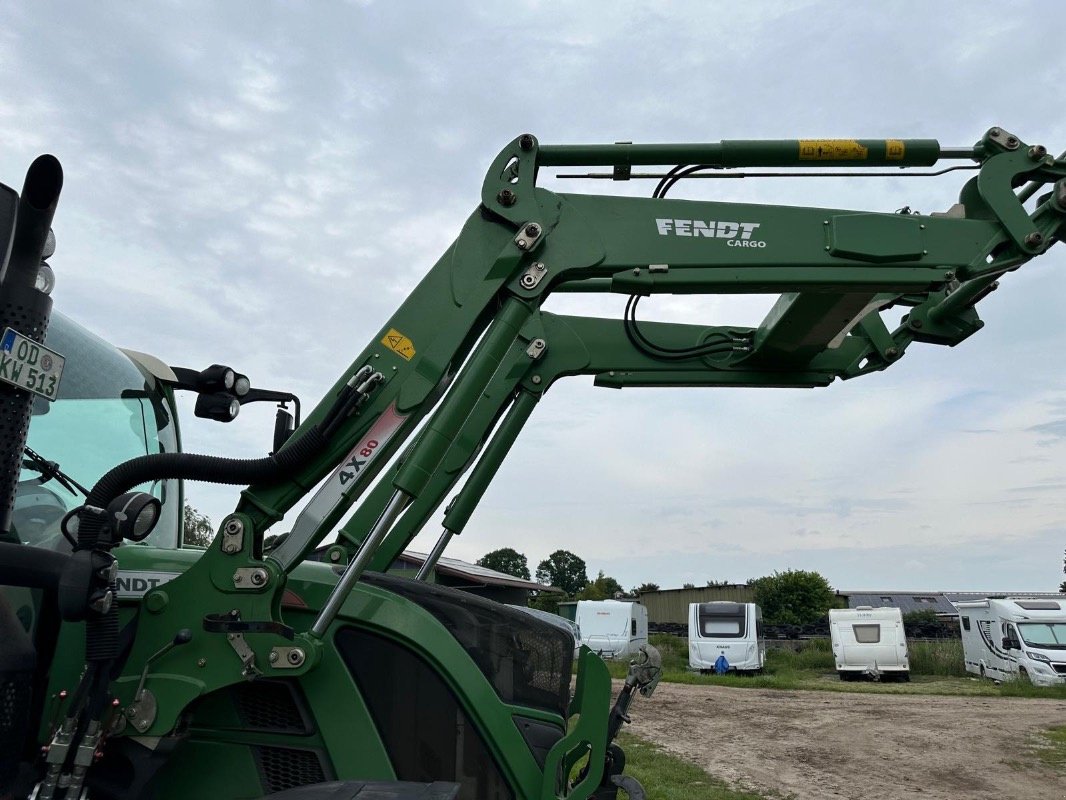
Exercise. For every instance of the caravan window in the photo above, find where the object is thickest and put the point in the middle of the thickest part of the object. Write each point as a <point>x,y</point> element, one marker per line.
<point>722,620</point>
<point>966,623</point>
<point>867,634</point>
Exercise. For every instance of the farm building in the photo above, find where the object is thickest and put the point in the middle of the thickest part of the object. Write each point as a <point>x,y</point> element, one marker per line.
<point>938,602</point>
<point>671,605</point>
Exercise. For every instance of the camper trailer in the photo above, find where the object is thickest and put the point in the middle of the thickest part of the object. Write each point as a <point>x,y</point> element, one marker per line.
<point>869,641</point>
<point>612,628</point>
<point>729,630</point>
<point>1015,638</point>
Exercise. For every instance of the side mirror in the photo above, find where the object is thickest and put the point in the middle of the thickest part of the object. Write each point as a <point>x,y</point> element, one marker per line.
<point>1009,643</point>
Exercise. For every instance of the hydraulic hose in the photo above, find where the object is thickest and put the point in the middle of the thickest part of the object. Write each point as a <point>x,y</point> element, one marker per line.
<point>102,633</point>
<point>187,466</point>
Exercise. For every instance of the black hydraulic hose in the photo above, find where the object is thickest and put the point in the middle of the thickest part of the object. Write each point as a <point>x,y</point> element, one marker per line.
<point>188,466</point>
<point>102,633</point>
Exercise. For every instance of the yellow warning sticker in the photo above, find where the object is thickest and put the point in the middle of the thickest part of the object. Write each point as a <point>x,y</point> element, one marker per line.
<point>831,150</point>
<point>894,149</point>
<point>399,344</point>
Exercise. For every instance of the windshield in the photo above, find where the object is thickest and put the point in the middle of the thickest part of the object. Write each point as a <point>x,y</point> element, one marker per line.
<point>1043,634</point>
<point>105,414</point>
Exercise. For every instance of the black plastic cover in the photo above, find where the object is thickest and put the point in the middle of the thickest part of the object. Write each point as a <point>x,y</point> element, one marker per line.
<point>528,661</point>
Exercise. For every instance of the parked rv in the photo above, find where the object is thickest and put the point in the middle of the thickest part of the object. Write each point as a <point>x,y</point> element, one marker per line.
<point>732,631</point>
<point>1015,638</point>
<point>612,628</point>
<point>869,641</point>
<point>559,622</point>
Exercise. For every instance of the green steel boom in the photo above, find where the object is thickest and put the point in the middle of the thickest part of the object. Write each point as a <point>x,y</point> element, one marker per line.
<point>471,344</point>
<point>834,271</point>
<point>452,377</point>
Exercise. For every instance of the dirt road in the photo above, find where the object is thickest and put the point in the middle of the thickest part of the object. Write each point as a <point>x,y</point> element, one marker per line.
<point>809,744</point>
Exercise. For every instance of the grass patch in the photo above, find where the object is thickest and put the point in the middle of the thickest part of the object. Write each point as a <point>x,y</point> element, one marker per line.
<point>667,777</point>
<point>1050,748</point>
<point>937,658</point>
<point>816,654</point>
<point>1026,689</point>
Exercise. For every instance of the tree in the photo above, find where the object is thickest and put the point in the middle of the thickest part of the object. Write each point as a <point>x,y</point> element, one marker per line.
<point>924,616</point>
<point>565,570</point>
<point>506,560</point>
<point>688,586</point>
<point>646,587</point>
<point>546,601</point>
<point>1062,588</point>
<point>197,528</point>
<point>603,588</point>
<point>713,583</point>
<point>793,597</point>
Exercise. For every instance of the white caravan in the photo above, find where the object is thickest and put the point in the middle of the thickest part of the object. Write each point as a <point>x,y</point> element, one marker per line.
<point>612,628</point>
<point>1015,638</point>
<point>732,630</point>
<point>869,641</point>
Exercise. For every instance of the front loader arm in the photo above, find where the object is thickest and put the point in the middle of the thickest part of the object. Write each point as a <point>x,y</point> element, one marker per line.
<point>831,267</point>
<point>466,331</point>
<point>834,270</point>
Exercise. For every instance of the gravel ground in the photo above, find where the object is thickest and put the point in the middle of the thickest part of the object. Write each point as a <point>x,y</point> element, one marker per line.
<point>810,744</point>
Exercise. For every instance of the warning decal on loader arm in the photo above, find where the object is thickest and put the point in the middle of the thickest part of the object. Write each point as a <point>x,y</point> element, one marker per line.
<point>399,344</point>
<point>832,150</point>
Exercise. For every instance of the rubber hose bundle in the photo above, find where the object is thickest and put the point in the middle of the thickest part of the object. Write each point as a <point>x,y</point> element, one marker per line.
<point>102,634</point>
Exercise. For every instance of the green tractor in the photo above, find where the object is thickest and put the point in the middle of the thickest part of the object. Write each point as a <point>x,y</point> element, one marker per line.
<point>276,666</point>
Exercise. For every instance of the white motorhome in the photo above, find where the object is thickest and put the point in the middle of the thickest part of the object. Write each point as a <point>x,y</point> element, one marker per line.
<point>1015,638</point>
<point>869,641</point>
<point>732,630</point>
<point>612,628</point>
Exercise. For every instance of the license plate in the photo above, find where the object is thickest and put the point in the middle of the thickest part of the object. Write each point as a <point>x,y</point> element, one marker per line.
<point>28,365</point>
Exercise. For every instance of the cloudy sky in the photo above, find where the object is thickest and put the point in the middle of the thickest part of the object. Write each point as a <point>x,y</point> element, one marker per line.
<point>239,174</point>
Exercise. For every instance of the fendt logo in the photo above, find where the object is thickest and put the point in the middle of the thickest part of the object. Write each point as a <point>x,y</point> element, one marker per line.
<point>736,234</point>
<point>137,584</point>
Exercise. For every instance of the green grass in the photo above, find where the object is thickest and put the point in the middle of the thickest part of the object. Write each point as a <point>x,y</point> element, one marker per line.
<point>936,668</point>
<point>937,658</point>
<point>667,777</point>
<point>1050,748</point>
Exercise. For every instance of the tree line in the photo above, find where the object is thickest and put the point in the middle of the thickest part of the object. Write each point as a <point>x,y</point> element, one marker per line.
<point>792,597</point>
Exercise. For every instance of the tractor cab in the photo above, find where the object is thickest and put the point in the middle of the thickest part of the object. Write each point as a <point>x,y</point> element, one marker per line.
<point>109,409</point>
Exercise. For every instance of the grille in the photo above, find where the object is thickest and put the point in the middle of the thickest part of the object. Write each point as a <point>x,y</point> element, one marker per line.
<point>15,691</point>
<point>270,707</point>
<point>527,660</point>
<point>282,768</point>
<point>1060,668</point>
<point>426,732</point>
